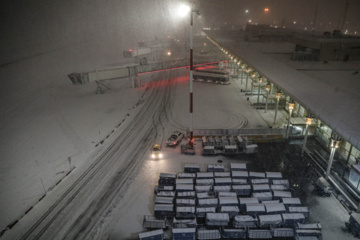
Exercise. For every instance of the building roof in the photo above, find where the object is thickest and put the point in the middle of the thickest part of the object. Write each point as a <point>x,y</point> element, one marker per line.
<point>338,107</point>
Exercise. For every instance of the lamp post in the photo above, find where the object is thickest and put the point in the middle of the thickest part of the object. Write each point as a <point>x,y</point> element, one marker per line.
<point>243,66</point>
<point>278,95</point>
<point>291,107</point>
<point>253,75</point>
<point>308,122</point>
<point>259,88</point>
<point>335,140</point>
<point>268,87</point>
<point>247,78</point>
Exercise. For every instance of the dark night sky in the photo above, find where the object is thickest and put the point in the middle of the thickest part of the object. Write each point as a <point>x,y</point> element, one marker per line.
<point>33,26</point>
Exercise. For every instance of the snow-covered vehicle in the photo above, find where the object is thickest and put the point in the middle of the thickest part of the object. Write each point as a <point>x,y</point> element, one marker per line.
<point>174,139</point>
<point>187,149</point>
<point>354,224</point>
<point>156,152</point>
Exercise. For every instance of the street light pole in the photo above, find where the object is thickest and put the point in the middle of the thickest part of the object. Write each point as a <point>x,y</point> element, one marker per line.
<point>308,122</point>
<point>191,78</point>
<point>278,95</point>
<point>268,86</point>
<point>291,107</point>
<point>334,145</point>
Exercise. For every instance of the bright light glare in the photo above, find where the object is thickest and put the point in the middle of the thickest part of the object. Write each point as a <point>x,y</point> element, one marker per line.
<point>183,10</point>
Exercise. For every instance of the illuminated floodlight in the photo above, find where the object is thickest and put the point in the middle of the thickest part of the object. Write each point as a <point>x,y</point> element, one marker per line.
<point>182,10</point>
<point>266,9</point>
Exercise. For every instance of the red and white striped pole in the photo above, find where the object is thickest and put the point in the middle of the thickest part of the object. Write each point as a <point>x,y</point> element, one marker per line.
<point>191,78</point>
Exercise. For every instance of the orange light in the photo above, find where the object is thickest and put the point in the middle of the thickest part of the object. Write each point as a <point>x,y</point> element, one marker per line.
<point>266,10</point>
<point>291,106</point>
<point>308,120</point>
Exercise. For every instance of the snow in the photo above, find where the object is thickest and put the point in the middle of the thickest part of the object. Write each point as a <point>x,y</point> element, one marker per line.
<point>311,90</point>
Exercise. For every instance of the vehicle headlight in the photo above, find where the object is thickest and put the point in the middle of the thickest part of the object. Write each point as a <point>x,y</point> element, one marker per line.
<point>160,155</point>
<point>153,155</point>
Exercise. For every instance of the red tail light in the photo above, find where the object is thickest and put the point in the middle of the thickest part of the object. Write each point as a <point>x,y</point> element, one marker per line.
<point>174,142</point>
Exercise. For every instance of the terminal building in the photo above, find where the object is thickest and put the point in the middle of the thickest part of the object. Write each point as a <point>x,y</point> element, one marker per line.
<point>319,93</point>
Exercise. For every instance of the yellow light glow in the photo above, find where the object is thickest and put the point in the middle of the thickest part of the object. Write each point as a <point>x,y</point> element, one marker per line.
<point>278,95</point>
<point>291,106</point>
<point>308,120</point>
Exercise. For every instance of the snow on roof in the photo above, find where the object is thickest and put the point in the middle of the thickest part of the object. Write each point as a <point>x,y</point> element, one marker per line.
<point>245,218</point>
<point>189,187</point>
<point>248,200</point>
<point>260,187</point>
<point>167,175</point>
<point>291,201</point>
<point>298,209</point>
<point>263,195</point>
<point>165,200</point>
<point>228,200</point>
<point>238,187</point>
<point>202,188</point>
<point>184,181</point>
<point>273,174</point>
<point>229,209</point>
<point>222,174</point>
<point>274,207</point>
<point>204,175</point>
<point>257,174</point>
<point>340,111</point>
<point>204,181</point>
<point>239,174</point>
<point>184,230</point>
<point>185,201</point>
<point>217,217</point>
<point>284,194</point>
<point>208,201</point>
<point>151,233</point>
<point>278,187</point>
<point>290,216</point>
<point>205,209</point>
<point>186,175</point>
<point>255,207</point>
<point>281,182</point>
<point>222,188</point>
<point>186,194</point>
<point>238,166</point>
<point>223,180</point>
<point>192,165</point>
<point>164,207</point>
<point>185,209</point>
<point>260,181</point>
<point>270,219</point>
<point>227,194</point>
<point>215,166</point>
<point>239,181</point>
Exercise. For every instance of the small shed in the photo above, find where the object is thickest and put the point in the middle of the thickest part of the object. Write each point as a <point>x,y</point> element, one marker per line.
<point>184,187</point>
<point>215,168</point>
<point>278,195</point>
<point>259,234</point>
<point>240,174</point>
<point>238,166</point>
<point>222,174</point>
<point>270,220</point>
<point>291,219</point>
<point>227,194</point>
<point>185,212</point>
<point>240,181</point>
<point>300,209</point>
<point>291,202</point>
<point>229,233</point>
<point>260,188</point>
<point>217,219</point>
<point>209,202</point>
<point>185,202</point>
<point>228,201</point>
<point>223,181</point>
<point>273,208</point>
<point>260,181</point>
<point>202,195</point>
<point>188,194</point>
<point>162,211</point>
<point>231,210</point>
<point>281,182</point>
<point>203,234</point>
<point>201,211</point>
<point>191,168</point>
<point>242,190</point>
<point>263,196</point>
<point>245,221</point>
<point>204,181</point>
<point>164,200</point>
<point>204,175</point>
<point>184,181</point>
<point>255,209</point>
